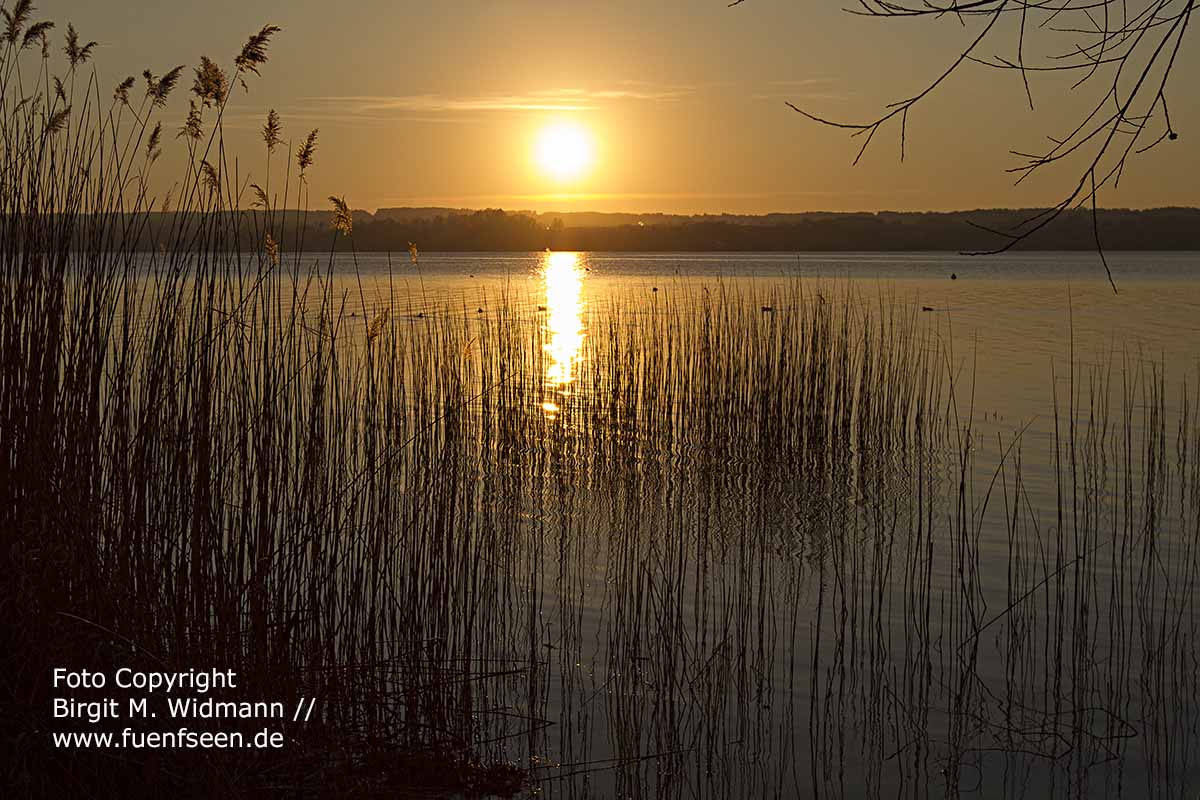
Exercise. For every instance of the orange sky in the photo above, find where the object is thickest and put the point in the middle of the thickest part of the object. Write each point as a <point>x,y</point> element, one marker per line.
<point>441,103</point>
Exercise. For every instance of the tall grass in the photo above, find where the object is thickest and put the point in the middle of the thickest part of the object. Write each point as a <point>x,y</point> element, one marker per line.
<point>196,472</point>
<point>753,553</point>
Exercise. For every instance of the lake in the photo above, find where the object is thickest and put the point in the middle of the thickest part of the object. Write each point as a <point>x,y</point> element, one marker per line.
<point>1011,316</point>
<point>702,525</point>
<point>853,525</point>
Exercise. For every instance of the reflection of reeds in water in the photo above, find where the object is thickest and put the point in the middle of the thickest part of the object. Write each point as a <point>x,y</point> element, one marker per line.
<point>751,554</point>
<point>715,444</point>
<point>1047,659</point>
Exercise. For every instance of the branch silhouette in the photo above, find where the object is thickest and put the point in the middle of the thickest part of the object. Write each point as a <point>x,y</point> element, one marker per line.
<point>1126,50</point>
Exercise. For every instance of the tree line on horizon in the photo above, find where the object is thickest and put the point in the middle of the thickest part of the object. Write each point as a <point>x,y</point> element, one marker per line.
<point>498,230</point>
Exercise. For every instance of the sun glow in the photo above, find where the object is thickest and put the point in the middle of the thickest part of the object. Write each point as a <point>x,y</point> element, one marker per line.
<point>564,151</point>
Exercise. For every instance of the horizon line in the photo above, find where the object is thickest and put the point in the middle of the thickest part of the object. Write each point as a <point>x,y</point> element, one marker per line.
<point>749,214</point>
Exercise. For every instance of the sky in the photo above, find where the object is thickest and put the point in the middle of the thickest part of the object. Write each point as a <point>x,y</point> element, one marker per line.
<point>442,103</point>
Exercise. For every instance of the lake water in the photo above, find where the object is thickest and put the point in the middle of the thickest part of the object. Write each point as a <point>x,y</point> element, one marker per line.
<point>1011,317</point>
<point>729,525</point>
<point>731,585</point>
<point>1010,324</point>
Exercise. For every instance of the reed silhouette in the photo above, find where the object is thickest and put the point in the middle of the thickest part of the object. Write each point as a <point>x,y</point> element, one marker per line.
<point>748,554</point>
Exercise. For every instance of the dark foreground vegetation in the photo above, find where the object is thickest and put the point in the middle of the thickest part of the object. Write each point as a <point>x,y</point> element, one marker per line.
<point>193,478</point>
<point>750,553</point>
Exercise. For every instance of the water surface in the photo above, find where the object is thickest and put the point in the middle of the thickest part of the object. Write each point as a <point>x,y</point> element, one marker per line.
<point>856,525</point>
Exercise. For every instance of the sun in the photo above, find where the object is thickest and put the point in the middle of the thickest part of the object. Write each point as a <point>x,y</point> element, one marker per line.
<point>564,151</point>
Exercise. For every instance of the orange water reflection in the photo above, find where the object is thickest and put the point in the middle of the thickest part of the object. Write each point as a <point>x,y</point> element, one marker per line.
<point>563,277</point>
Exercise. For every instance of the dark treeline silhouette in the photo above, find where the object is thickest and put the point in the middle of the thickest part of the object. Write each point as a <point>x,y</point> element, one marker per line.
<point>497,230</point>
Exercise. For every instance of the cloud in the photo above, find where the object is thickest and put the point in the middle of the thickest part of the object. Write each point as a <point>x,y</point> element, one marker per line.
<point>803,82</point>
<point>559,99</point>
<point>820,89</point>
<point>432,103</point>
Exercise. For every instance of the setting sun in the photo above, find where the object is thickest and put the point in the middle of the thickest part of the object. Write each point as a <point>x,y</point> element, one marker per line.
<point>564,151</point>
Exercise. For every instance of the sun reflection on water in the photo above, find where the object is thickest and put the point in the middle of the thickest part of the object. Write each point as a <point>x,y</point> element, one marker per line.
<point>563,276</point>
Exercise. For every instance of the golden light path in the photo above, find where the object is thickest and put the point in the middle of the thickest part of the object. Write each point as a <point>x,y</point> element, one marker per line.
<point>564,322</point>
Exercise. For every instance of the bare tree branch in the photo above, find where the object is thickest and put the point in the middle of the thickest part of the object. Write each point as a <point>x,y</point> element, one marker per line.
<point>1133,43</point>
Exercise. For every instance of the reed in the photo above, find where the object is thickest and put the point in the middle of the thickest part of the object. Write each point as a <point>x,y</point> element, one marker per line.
<point>759,550</point>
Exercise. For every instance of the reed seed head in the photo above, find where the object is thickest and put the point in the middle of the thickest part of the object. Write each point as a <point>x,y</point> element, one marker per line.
<point>152,143</point>
<point>76,53</point>
<point>343,220</point>
<point>260,198</point>
<point>58,121</point>
<point>157,89</point>
<point>14,21</point>
<point>375,327</point>
<point>271,131</point>
<point>192,126</point>
<point>304,156</point>
<point>211,85</point>
<point>121,93</point>
<point>208,174</point>
<point>254,52</point>
<point>38,32</point>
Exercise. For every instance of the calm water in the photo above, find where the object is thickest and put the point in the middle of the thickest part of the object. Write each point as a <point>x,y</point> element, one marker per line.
<point>1011,320</point>
<point>780,599</point>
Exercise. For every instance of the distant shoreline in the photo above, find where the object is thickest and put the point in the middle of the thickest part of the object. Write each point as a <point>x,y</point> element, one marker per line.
<point>494,230</point>
<point>1015,253</point>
